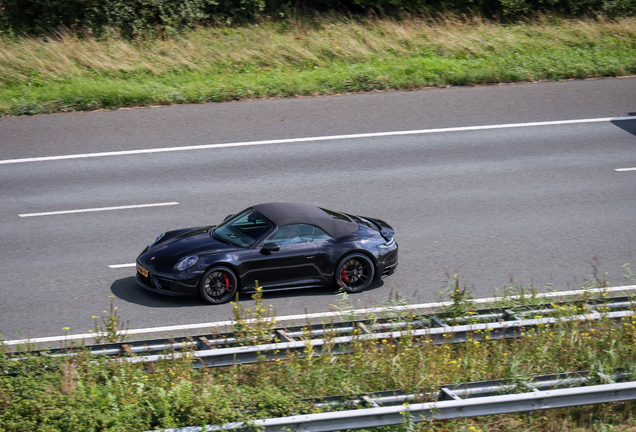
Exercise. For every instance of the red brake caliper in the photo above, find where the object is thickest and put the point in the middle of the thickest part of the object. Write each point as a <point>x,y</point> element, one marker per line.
<point>227,282</point>
<point>343,274</point>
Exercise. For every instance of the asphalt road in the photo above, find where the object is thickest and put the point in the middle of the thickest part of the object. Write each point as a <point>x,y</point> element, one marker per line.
<point>533,204</point>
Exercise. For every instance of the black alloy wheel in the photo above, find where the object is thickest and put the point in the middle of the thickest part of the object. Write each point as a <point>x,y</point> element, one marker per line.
<point>355,273</point>
<point>218,285</point>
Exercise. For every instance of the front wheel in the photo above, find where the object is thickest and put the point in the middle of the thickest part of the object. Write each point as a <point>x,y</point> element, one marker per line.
<point>218,285</point>
<point>355,272</point>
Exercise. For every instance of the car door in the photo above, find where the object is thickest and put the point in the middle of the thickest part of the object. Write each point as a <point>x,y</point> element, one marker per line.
<point>292,266</point>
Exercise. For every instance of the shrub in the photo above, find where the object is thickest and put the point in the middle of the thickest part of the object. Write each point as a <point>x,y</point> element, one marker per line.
<point>141,18</point>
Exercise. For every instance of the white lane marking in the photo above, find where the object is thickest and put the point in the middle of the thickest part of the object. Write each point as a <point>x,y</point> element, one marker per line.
<point>98,209</point>
<point>305,317</point>
<point>625,169</point>
<point>116,266</point>
<point>311,139</point>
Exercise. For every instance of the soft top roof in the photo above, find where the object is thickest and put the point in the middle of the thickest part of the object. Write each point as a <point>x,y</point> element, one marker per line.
<point>285,213</point>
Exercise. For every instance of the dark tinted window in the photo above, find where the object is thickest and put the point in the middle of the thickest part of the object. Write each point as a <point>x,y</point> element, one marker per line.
<point>244,229</point>
<point>292,234</point>
<point>320,235</point>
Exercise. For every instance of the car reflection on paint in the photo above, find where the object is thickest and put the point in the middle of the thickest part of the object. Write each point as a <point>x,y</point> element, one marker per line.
<point>281,245</point>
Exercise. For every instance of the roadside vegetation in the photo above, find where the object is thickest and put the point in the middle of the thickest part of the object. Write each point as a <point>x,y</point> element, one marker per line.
<point>83,393</point>
<point>70,70</point>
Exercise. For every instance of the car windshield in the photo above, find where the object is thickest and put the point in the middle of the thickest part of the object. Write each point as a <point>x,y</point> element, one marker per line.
<point>243,230</point>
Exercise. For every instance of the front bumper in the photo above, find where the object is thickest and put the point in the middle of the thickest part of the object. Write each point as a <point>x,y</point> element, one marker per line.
<point>163,285</point>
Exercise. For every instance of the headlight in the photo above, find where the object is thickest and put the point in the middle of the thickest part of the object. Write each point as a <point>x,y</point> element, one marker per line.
<point>388,245</point>
<point>187,262</point>
<point>159,237</point>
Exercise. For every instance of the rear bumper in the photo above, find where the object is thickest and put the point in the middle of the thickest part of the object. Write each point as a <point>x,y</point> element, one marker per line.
<point>387,260</point>
<point>389,269</point>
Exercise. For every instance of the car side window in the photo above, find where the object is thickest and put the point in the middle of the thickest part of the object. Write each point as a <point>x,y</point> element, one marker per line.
<point>292,234</point>
<point>320,235</point>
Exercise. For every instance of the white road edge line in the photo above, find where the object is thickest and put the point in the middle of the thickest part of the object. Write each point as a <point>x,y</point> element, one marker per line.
<point>625,169</point>
<point>305,317</point>
<point>311,139</point>
<point>117,266</point>
<point>98,209</point>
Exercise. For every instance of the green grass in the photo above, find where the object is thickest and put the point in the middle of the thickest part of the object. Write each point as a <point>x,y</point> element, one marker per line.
<point>315,57</point>
<point>82,393</point>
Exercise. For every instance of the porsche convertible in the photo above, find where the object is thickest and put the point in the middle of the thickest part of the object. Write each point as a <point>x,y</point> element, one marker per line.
<point>278,246</point>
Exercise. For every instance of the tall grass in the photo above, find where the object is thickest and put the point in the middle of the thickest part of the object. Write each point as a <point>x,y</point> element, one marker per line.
<point>324,55</point>
<point>82,393</point>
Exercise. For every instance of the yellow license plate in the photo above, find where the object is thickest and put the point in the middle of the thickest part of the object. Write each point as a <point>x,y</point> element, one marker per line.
<point>142,270</point>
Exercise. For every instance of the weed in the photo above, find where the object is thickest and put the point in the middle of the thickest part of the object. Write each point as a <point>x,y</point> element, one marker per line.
<point>394,308</point>
<point>253,327</point>
<point>93,393</point>
<point>629,274</point>
<point>461,299</point>
<point>112,328</point>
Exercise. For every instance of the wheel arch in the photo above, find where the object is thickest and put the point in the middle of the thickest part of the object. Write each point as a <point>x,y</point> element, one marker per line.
<point>223,264</point>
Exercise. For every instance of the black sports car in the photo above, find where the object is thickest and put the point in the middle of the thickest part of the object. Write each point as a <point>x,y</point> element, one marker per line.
<point>280,245</point>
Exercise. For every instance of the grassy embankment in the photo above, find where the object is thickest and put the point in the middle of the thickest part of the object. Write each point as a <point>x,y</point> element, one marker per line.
<point>72,394</point>
<point>311,57</point>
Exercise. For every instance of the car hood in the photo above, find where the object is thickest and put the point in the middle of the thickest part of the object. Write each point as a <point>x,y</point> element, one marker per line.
<point>177,245</point>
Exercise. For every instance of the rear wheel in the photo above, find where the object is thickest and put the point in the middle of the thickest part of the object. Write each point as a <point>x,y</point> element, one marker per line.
<point>218,285</point>
<point>355,272</point>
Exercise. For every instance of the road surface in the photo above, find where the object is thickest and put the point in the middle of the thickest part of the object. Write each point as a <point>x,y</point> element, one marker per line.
<point>535,204</point>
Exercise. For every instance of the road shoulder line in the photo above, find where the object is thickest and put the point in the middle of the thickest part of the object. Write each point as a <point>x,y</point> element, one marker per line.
<point>313,139</point>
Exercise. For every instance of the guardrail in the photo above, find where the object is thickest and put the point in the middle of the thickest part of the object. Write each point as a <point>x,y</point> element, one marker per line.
<point>338,315</point>
<point>452,401</point>
<point>341,345</point>
<point>469,390</point>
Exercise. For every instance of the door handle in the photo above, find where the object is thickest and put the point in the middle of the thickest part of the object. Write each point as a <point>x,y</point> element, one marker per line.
<point>310,256</point>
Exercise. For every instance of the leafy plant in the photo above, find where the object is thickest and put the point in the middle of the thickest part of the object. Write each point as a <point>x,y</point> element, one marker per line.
<point>253,326</point>
<point>461,297</point>
<point>112,328</point>
<point>629,274</point>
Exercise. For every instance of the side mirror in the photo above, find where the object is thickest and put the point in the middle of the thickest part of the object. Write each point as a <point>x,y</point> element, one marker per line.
<point>230,216</point>
<point>268,248</point>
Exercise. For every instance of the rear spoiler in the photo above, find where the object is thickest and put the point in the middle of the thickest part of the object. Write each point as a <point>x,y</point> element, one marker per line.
<point>386,230</point>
